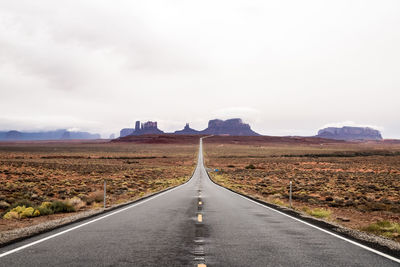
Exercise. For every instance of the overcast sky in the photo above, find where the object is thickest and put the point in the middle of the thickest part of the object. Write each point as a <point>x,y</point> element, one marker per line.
<point>285,67</point>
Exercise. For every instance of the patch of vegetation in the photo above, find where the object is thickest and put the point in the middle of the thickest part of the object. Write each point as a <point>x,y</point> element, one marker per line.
<point>318,212</point>
<point>21,212</point>
<point>277,201</point>
<point>384,228</point>
<point>46,208</point>
<point>94,197</point>
<point>250,166</point>
<point>60,207</point>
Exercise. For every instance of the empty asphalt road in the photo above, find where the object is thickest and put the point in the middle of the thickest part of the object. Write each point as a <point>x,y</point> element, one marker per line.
<point>194,224</point>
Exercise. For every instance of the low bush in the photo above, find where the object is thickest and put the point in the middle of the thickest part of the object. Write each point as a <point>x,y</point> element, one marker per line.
<point>45,211</point>
<point>21,212</point>
<point>46,208</point>
<point>20,203</point>
<point>76,202</point>
<point>60,206</point>
<point>4,205</point>
<point>96,196</point>
<point>250,166</point>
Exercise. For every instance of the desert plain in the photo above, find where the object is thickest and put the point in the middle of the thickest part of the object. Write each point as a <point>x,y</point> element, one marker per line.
<point>355,184</point>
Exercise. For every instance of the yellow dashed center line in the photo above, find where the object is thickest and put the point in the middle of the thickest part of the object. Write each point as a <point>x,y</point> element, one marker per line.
<point>201,265</point>
<point>199,217</point>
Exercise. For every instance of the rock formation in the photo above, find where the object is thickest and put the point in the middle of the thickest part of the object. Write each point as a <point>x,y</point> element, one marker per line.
<point>126,131</point>
<point>350,133</point>
<point>234,127</point>
<point>149,127</point>
<point>187,130</point>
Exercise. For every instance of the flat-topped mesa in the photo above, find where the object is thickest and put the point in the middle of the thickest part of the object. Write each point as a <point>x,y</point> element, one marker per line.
<point>234,127</point>
<point>350,133</point>
<point>187,130</point>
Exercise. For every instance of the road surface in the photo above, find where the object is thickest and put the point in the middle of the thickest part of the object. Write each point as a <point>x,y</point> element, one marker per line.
<point>196,224</point>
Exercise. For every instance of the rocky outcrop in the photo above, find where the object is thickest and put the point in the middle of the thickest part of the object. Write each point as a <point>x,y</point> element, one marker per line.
<point>149,127</point>
<point>350,133</point>
<point>187,130</point>
<point>49,135</point>
<point>234,127</point>
<point>126,131</point>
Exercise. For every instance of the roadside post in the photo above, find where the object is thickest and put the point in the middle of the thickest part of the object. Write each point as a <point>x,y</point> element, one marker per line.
<point>105,190</point>
<point>290,194</point>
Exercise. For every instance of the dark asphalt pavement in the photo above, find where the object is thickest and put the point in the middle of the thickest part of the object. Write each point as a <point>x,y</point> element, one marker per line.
<point>196,223</point>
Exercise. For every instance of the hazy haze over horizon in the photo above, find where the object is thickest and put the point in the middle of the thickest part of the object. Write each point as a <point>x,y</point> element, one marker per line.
<point>285,67</point>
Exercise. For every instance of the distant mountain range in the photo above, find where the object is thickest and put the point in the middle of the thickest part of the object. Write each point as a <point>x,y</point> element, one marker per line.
<point>48,135</point>
<point>233,127</point>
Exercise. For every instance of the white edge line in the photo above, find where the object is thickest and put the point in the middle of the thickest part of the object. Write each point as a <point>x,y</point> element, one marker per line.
<point>321,229</point>
<point>86,223</point>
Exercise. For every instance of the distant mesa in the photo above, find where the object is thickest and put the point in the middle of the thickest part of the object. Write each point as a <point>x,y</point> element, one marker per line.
<point>149,127</point>
<point>48,135</point>
<point>187,130</point>
<point>350,133</point>
<point>232,127</point>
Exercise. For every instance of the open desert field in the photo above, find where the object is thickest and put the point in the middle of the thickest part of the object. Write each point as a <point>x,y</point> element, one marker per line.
<point>54,178</point>
<point>353,184</point>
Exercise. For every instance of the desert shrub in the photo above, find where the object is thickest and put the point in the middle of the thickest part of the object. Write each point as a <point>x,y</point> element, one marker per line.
<point>250,166</point>
<point>76,202</point>
<point>45,204</point>
<point>96,196</point>
<point>21,212</point>
<point>278,202</point>
<point>45,208</point>
<point>27,212</point>
<point>4,205</point>
<point>385,228</point>
<point>45,211</point>
<point>21,203</point>
<point>11,215</point>
<point>318,212</point>
<point>60,206</point>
